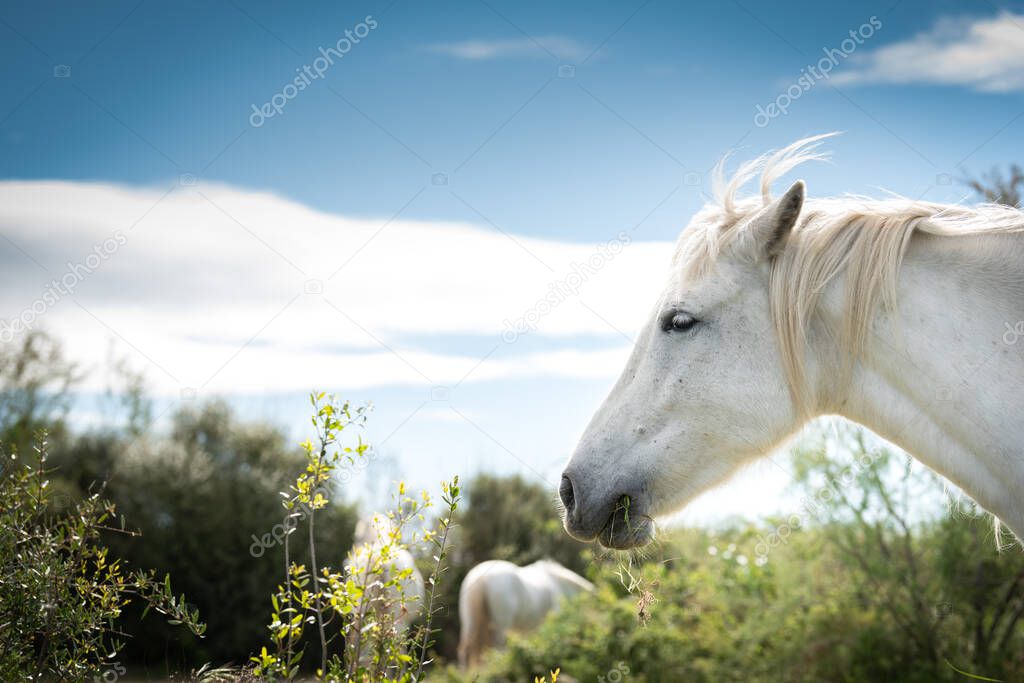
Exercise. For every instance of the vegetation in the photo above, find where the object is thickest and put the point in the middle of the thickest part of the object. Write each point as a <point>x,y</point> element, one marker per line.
<point>61,591</point>
<point>875,575</point>
<point>204,499</point>
<point>64,593</point>
<point>868,586</point>
<point>998,188</point>
<point>357,610</point>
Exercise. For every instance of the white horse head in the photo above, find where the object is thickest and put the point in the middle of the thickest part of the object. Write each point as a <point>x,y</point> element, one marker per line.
<point>768,312</point>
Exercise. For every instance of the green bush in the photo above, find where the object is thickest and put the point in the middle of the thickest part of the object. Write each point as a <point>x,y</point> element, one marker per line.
<point>206,500</point>
<point>62,592</point>
<point>356,610</point>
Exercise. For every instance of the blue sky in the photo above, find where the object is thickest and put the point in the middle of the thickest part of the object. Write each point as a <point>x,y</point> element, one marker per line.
<point>544,128</point>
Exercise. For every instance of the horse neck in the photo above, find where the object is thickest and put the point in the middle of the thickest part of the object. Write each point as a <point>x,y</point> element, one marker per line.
<point>937,377</point>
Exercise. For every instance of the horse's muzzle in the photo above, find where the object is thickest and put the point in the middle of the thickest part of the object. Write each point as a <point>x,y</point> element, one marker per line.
<point>619,521</point>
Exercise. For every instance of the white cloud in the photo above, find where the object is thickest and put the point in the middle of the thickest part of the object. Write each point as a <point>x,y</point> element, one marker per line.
<point>209,290</point>
<point>562,47</point>
<point>984,54</point>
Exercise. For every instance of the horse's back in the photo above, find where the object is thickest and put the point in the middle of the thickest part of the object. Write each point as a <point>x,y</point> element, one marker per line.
<point>497,596</point>
<point>502,589</point>
<point>490,568</point>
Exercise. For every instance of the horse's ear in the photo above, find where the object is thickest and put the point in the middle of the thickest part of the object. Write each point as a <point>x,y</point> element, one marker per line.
<point>771,228</point>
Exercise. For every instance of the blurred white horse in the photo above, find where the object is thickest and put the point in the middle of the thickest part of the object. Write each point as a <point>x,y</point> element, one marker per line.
<point>903,315</point>
<point>497,597</point>
<point>397,606</point>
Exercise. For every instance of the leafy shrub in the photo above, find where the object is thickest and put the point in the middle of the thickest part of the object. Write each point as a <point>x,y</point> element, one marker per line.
<point>357,611</point>
<point>61,590</point>
<point>206,501</point>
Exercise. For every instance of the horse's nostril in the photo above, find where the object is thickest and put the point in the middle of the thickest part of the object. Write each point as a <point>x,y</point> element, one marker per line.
<point>566,493</point>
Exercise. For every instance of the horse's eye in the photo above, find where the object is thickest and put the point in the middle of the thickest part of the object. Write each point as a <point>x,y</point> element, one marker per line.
<point>679,322</point>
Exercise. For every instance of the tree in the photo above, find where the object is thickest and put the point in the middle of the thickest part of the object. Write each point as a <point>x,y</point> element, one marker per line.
<point>35,384</point>
<point>996,188</point>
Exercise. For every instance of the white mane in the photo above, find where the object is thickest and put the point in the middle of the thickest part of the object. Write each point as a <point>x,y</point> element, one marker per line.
<point>863,237</point>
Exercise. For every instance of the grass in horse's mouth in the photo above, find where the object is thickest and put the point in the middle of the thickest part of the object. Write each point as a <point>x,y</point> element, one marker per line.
<point>625,524</point>
<point>623,505</point>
